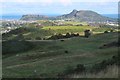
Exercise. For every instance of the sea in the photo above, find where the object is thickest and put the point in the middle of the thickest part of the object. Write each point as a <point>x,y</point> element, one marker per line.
<point>17,17</point>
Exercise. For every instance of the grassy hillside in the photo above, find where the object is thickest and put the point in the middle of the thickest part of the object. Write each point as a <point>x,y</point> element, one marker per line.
<point>48,58</point>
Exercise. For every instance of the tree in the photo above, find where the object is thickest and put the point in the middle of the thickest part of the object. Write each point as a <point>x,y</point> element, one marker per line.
<point>87,33</point>
<point>73,35</point>
<point>111,30</point>
<point>67,35</point>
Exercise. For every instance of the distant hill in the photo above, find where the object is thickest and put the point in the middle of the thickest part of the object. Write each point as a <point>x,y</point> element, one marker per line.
<point>86,15</point>
<point>82,15</point>
<point>33,17</point>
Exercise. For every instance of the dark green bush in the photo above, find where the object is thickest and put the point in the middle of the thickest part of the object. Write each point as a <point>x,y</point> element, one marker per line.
<point>69,70</point>
<point>60,36</point>
<point>38,38</point>
<point>66,51</point>
<point>111,30</point>
<point>106,32</point>
<point>80,68</point>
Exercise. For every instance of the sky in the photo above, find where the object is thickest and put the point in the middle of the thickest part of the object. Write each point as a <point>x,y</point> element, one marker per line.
<point>49,7</point>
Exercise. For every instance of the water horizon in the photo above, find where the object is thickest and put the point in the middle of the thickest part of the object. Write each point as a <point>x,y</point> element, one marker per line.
<point>18,16</point>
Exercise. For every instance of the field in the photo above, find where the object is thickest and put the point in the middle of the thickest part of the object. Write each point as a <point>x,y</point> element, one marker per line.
<point>74,29</point>
<point>48,58</point>
<point>32,32</point>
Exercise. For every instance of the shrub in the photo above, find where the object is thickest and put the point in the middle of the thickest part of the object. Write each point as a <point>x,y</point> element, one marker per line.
<point>54,37</point>
<point>19,37</point>
<point>77,34</point>
<point>28,38</point>
<point>80,68</point>
<point>59,36</point>
<point>38,38</point>
<point>72,35</point>
<point>68,35</point>
<point>44,38</point>
<point>62,40</point>
<point>66,51</point>
<point>111,30</point>
<point>106,32</point>
<point>69,70</point>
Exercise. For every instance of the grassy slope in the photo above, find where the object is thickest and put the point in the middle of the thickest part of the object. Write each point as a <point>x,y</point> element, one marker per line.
<point>48,57</point>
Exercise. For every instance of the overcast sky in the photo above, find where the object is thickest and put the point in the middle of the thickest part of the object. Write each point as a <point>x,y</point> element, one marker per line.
<point>57,6</point>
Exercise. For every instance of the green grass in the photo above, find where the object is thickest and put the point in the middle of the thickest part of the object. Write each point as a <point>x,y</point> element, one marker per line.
<point>74,23</point>
<point>74,29</point>
<point>30,31</point>
<point>48,58</point>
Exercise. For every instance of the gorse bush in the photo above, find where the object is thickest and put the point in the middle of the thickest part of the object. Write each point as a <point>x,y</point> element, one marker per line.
<point>66,51</point>
<point>60,36</point>
<point>69,70</point>
<point>106,32</point>
<point>80,68</point>
<point>38,38</point>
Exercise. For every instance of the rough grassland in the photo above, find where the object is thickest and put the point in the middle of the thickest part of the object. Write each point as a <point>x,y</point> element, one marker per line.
<point>110,72</point>
<point>48,58</point>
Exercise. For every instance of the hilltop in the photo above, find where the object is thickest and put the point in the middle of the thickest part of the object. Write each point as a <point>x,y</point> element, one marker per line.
<point>82,15</point>
<point>86,15</point>
<point>33,17</point>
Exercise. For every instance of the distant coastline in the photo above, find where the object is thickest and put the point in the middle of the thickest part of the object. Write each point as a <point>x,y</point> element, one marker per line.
<point>17,17</point>
<point>11,17</point>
